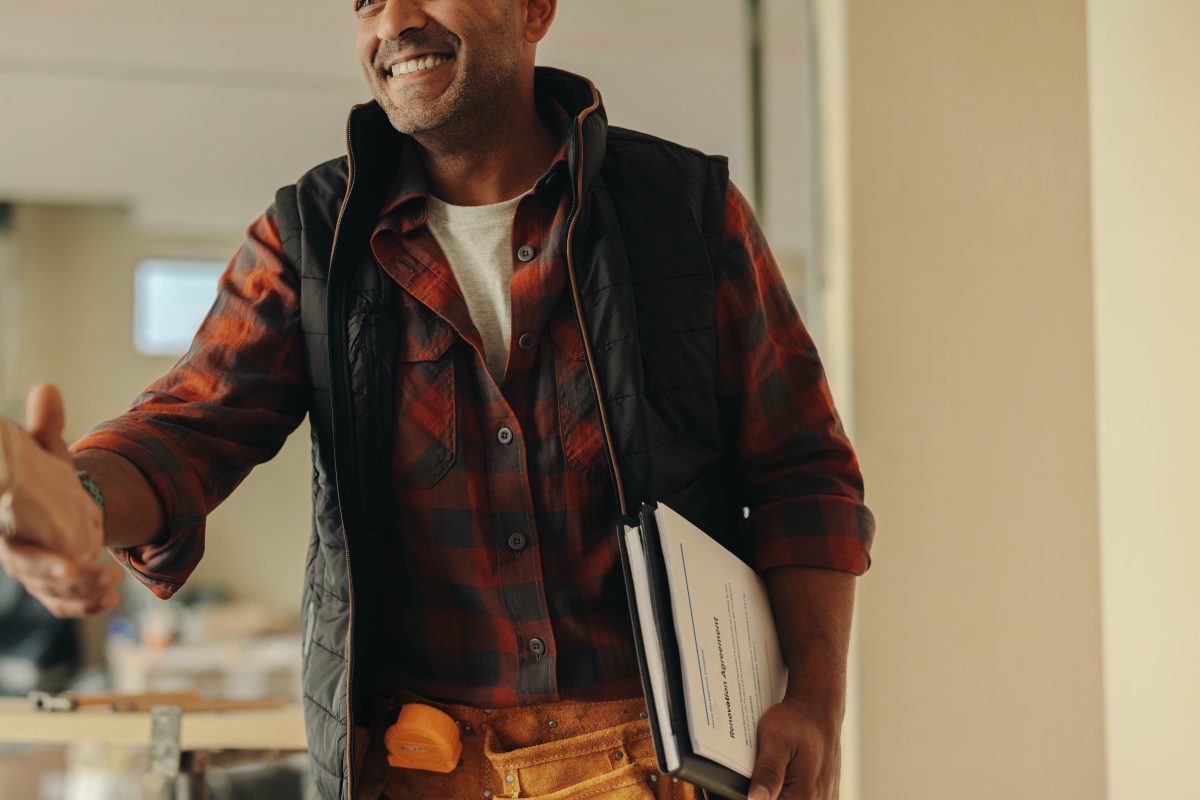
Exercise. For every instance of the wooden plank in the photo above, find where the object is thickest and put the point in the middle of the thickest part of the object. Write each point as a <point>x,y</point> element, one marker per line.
<point>268,729</point>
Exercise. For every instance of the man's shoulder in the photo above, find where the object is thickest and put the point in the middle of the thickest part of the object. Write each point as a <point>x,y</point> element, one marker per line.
<point>636,155</point>
<point>313,199</point>
<point>321,187</point>
<point>326,178</point>
<point>626,138</point>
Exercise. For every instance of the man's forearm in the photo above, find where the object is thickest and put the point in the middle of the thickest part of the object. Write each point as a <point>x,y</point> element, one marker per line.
<point>813,609</point>
<point>133,513</point>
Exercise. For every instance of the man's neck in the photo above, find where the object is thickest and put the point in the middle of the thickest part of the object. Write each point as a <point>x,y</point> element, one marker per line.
<point>497,160</point>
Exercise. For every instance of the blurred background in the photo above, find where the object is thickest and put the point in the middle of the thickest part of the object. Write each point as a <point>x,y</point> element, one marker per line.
<point>987,212</point>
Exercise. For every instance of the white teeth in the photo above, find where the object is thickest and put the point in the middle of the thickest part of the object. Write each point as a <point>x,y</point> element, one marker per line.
<point>417,65</point>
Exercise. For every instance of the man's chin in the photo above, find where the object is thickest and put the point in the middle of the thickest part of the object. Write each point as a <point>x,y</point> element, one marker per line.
<point>414,114</point>
<point>414,121</point>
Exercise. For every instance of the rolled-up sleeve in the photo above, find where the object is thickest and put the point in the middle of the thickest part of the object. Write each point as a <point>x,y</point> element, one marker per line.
<point>797,471</point>
<point>226,406</point>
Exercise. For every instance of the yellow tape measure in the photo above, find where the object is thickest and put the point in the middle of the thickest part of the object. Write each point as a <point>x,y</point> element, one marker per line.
<point>423,737</point>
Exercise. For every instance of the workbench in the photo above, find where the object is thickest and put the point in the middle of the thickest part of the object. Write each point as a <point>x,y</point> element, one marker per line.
<point>182,744</point>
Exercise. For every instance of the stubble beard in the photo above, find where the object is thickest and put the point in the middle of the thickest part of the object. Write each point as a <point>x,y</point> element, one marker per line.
<point>420,115</point>
<point>484,83</point>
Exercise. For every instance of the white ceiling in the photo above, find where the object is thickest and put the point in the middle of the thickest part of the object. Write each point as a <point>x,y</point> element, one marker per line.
<point>194,112</point>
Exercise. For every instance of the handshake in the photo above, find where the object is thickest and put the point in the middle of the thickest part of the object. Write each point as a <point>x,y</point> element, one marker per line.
<point>52,529</point>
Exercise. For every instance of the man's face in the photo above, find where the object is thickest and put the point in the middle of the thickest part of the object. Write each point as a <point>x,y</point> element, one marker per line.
<point>429,62</point>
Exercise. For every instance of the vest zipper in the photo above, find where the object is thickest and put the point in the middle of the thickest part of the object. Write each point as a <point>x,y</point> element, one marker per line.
<point>340,391</point>
<point>614,473</point>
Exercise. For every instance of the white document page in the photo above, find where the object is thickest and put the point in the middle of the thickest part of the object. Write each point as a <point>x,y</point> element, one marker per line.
<point>654,655</point>
<point>733,670</point>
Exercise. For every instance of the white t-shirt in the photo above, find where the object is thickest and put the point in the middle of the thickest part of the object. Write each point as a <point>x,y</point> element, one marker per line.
<point>477,241</point>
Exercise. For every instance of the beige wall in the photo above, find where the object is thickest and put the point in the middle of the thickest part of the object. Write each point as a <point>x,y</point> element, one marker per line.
<point>10,316</point>
<point>835,336</point>
<point>971,240</point>
<point>1145,70</point>
<point>74,272</point>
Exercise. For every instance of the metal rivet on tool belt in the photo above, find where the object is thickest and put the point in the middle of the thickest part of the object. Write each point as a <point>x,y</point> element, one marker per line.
<point>618,755</point>
<point>510,777</point>
<point>643,715</point>
<point>552,723</point>
<point>487,793</point>
<point>487,711</point>
<point>654,779</point>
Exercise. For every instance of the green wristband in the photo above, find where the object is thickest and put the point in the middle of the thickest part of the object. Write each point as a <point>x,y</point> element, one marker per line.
<point>92,488</point>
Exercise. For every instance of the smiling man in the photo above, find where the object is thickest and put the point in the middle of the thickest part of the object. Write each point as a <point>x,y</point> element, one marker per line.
<point>510,324</point>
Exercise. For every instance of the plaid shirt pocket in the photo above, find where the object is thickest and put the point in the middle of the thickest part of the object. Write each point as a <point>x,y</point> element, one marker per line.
<point>426,413</point>
<point>578,416</point>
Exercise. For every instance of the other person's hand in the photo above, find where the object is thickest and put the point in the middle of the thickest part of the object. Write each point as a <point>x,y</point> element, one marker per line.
<point>53,530</point>
<point>799,755</point>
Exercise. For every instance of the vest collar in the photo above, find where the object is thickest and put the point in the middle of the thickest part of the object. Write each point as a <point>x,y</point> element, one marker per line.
<point>581,100</point>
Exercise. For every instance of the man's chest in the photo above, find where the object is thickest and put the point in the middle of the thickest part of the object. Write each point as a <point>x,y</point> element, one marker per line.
<point>451,412</point>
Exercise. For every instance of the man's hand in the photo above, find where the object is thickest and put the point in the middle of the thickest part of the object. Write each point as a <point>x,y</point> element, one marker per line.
<point>66,587</point>
<point>57,530</point>
<point>799,754</point>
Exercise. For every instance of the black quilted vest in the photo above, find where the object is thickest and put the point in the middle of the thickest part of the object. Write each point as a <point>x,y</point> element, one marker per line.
<point>645,230</point>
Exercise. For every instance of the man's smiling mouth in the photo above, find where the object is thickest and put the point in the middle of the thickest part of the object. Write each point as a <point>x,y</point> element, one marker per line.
<point>418,64</point>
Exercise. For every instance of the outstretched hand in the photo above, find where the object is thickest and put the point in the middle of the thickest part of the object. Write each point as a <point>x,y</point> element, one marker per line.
<point>55,530</point>
<point>799,755</point>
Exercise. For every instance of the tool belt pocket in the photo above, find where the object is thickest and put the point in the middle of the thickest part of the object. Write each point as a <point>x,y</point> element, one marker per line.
<point>615,763</point>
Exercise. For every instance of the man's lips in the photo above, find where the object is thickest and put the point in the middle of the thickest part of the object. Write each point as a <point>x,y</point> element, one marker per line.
<point>416,64</point>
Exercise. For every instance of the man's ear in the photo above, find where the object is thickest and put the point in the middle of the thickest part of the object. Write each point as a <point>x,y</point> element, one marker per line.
<point>539,15</point>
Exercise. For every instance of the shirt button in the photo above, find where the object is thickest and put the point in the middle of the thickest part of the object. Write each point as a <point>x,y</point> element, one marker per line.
<point>537,647</point>
<point>527,341</point>
<point>505,435</point>
<point>517,542</point>
<point>526,253</point>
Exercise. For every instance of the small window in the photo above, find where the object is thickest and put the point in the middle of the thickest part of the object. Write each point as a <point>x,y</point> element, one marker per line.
<point>171,299</point>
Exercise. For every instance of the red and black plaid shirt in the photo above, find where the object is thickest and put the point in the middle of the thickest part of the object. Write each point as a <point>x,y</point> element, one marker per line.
<point>497,550</point>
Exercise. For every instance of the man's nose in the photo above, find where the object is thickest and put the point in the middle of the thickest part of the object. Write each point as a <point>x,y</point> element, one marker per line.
<point>399,16</point>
